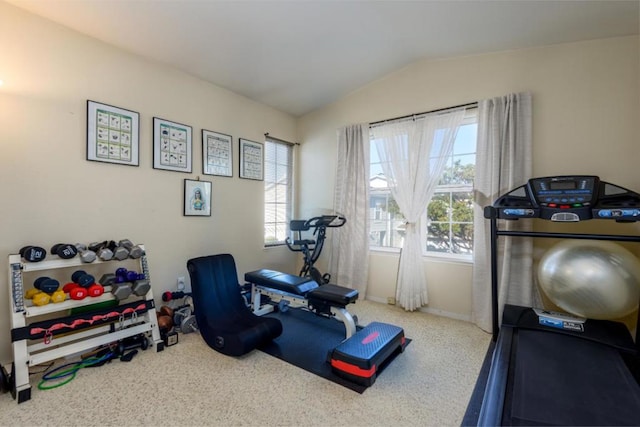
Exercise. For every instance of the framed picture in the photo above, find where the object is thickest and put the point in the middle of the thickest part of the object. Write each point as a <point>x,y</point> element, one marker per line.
<point>113,134</point>
<point>197,198</point>
<point>171,146</point>
<point>216,153</point>
<point>251,160</point>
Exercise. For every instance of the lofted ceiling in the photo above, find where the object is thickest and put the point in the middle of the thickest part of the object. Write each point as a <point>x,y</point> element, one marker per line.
<point>297,56</point>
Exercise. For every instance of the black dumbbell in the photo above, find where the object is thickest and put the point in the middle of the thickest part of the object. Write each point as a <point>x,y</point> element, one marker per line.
<point>64,250</point>
<point>82,278</point>
<point>33,253</point>
<point>46,285</point>
<point>132,342</point>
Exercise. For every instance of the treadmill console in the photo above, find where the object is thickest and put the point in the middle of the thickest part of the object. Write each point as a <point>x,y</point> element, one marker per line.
<point>569,198</point>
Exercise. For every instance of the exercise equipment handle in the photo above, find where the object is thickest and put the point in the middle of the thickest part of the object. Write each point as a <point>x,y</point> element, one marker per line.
<point>324,221</point>
<point>168,296</point>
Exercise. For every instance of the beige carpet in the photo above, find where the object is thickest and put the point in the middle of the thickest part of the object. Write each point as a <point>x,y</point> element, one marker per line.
<point>190,384</point>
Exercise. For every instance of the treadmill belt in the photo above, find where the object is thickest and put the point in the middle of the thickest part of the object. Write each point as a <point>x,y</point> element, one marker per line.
<point>564,380</point>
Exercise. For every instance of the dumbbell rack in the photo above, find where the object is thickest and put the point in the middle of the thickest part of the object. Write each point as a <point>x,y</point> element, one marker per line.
<point>27,352</point>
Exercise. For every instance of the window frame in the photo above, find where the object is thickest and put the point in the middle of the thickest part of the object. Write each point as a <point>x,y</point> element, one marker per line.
<point>471,117</point>
<point>289,191</point>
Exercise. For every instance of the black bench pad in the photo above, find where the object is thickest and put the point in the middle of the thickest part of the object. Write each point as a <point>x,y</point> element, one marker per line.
<point>304,286</point>
<point>334,294</point>
<point>281,281</point>
<point>359,358</point>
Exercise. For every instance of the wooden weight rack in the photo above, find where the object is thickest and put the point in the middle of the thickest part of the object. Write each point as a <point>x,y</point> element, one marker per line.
<point>41,334</point>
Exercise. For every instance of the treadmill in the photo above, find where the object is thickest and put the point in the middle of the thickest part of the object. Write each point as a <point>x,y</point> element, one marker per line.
<point>546,368</point>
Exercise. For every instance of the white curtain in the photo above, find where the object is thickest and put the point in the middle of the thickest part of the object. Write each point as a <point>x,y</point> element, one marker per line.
<point>413,155</point>
<point>349,259</point>
<point>503,162</point>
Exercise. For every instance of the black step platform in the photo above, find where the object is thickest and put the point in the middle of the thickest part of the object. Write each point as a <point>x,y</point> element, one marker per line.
<point>359,358</point>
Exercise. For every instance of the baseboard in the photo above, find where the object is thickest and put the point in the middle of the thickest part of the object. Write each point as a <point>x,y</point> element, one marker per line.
<point>435,311</point>
<point>449,314</point>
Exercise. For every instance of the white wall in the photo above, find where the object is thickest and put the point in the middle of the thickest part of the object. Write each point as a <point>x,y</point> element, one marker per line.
<point>50,193</point>
<point>586,111</point>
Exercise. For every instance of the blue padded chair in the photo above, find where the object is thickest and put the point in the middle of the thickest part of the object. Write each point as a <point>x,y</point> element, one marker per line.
<point>225,322</point>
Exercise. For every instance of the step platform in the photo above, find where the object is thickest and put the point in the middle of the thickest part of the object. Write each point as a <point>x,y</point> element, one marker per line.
<point>359,358</point>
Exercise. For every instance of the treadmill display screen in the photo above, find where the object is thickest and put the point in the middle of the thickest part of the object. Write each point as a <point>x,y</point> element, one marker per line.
<point>562,185</point>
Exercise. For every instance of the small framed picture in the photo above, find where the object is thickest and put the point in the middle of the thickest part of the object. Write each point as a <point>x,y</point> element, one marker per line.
<point>251,160</point>
<point>171,146</point>
<point>197,198</point>
<point>217,156</point>
<point>113,134</point>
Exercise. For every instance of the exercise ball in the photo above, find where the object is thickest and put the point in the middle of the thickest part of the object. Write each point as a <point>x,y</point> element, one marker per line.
<point>591,278</point>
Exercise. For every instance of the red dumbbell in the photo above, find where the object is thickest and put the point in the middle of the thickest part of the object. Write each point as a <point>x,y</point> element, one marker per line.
<point>75,291</point>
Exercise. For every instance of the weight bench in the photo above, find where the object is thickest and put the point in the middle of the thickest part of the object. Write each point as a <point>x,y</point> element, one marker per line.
<point>287,289</point>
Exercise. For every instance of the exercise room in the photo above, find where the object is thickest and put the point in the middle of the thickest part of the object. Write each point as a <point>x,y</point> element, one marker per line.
<point>362,213</point>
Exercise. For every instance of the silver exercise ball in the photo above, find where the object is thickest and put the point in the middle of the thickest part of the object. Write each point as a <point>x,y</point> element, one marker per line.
<point>590,278</point>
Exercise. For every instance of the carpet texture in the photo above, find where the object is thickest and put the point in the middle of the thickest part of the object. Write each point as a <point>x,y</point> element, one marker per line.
<point>189,384</point>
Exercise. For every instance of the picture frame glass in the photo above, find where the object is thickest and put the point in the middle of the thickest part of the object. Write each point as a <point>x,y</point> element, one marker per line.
<point>197,198</point>
<point>113,134</point>
<point>251,160</point>
<point>217,157</point>
<point>172,146</point>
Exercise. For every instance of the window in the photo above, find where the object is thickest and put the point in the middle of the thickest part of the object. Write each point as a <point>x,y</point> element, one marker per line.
<point>449,217</point>
<point>278,184</point>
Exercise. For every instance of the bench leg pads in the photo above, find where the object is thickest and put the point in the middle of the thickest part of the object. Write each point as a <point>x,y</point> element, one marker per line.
<point>359,358</point>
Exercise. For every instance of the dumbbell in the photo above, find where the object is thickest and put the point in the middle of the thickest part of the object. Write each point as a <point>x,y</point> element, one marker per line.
<point>135,251</point>
<point>86,254</point>
<point>64,250</point>
<point>119,252</point>
<point>185,320</point>
<point>101,250</point>
<point>168,296</point>
<point>33,253</point>
<point>124,275</point>
<point>46,290</point>
<point>88,282</point>
<point>120,290</point>
<point>139,285</point>
<point>83,285</point>
<point>132,342</point>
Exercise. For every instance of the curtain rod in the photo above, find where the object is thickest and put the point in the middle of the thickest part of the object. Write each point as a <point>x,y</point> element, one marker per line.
<point>266,135</point>
<point>470,104</point>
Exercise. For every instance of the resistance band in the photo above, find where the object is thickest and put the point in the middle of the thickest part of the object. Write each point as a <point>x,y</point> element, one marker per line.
<point>69,371</point>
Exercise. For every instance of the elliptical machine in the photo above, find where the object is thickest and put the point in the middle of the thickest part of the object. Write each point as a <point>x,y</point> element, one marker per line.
<point>310,248</point>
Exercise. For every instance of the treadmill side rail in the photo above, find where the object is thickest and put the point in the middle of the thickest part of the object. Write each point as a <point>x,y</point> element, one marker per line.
<point>495,390</point>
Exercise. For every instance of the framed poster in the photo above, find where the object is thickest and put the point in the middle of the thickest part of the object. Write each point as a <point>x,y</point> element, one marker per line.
<point>197,198</point>
<point>113,134</point>
<point>171,146</point>
<point>251,160</point>
<point>216,153</point>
